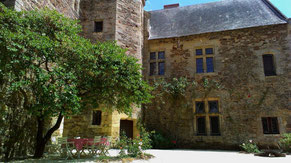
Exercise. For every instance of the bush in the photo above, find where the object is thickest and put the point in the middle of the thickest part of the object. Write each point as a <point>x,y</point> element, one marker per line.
<point>134,146</point>
<point>250,147</point>
<point>161,142</point>
<point>285,142</point>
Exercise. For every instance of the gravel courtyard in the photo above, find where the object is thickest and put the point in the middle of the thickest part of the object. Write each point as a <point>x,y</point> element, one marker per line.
<point>191,156</point>
<point>186,156</point>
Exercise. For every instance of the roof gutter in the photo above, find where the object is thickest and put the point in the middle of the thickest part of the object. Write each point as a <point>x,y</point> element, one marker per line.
<point>275,10</point>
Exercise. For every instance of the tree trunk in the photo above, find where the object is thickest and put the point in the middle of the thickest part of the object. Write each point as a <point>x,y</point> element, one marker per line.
<point>42,140</point>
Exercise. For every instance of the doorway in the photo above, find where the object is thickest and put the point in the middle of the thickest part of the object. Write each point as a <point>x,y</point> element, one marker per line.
<point>126,126</point>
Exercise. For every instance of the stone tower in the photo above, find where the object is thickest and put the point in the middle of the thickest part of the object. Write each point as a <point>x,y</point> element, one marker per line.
<point>120,20</point>
<point>110,20</point>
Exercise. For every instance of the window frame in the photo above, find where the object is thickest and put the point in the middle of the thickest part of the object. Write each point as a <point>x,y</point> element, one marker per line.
<point>157,62</point>
<point>274,70</point>
<point>204,57</point>
<point>92,118</point>
<point>270,125</point>
<point>208,115</point>
<point>95,26</point>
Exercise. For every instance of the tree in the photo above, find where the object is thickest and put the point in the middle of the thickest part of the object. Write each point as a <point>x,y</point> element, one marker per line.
<point>54,72</point>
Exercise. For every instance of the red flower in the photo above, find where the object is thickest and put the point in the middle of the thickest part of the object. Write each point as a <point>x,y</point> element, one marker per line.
<point>174,142</point>
<point>249,96</point>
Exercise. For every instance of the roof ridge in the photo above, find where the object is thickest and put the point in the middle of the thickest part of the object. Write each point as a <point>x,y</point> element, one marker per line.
<point>187,6</point>
<point>275,9</point>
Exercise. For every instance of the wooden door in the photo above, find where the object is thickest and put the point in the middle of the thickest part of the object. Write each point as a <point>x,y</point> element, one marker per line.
<point>127,127</point>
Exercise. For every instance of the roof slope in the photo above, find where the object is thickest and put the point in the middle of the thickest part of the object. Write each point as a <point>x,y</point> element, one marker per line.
<point>213,17</point>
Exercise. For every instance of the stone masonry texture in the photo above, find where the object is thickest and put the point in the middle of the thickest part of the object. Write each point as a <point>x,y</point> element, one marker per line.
<point>246,94</point>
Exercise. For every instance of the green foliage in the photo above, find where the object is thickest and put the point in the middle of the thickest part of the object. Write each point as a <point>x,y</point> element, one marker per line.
<point>250,147</point>
<point>135,146</point>
<point>285,142</point>
<point>145,136</point>
<point>161,142</point>
<point>50,70</point>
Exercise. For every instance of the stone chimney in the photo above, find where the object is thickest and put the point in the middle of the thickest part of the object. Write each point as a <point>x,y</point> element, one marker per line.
<point>171,6</point>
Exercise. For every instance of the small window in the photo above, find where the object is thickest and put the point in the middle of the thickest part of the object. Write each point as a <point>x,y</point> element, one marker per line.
<point>213,106</point>
<point>214,126</point>
<point>152,55</point>
<point>199,65</point>
<point>269,67</point>
<point>98,26</point>
<point>201,126</point>
<point>270,125</point>
<point>161,55</point>
<point>161,68</point>
<point>199,52</point>
<point>200,107</point>
<point>152,68</point>
<point>209,63</point>
<point>209,51</point>
<point>96,120</point>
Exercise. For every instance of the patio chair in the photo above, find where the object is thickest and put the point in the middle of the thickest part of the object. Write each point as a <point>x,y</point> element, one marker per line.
<point>93,147</point>
<point>53,147</point>
<point>65,148</point>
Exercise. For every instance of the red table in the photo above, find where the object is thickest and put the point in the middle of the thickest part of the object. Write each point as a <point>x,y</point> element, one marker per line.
<point>80,143</point>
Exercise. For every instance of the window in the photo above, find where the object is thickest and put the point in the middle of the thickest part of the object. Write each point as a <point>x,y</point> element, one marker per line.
<point>152,55</point>
<point>152,68</point>
<point>98,26</point>
<point>269,67</point>
<point>214,126</point>
<point>213,106</point>
<point>201,126</point>
<point>200,107</point>
<point>207,117</point>
<point>270,125</point>
<point>161,68</point>
<point>204,60</point>
<point>199,65</point>
<point>157,63</point>
<point>161,55</point>
<point>96,119</point>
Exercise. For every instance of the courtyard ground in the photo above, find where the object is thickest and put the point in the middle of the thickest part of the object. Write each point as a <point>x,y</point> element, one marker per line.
<point>188,156</point>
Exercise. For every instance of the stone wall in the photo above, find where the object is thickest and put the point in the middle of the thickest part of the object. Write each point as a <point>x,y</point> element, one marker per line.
<point>129,26</point>
<point>101,10</point>
<point>246,94</point>
<point>122,22</point>
<point>69,8</point>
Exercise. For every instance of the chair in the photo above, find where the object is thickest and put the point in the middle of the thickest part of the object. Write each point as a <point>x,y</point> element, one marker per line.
<point>105,146</point>
<point>93,147</point>
<point>65,148</point>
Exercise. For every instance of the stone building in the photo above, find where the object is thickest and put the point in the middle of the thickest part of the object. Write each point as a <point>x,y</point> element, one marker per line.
<point>243,45</point>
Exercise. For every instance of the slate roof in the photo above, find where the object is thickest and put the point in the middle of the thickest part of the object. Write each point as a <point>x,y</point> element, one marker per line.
<point>213,17</point>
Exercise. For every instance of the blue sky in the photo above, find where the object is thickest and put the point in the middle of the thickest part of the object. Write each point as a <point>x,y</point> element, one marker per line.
<point>283,5</point>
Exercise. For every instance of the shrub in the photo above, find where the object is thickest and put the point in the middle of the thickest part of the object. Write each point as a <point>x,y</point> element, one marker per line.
<point>285,142</point>
<point>134,146</point>
<point>161,142</point>
<point>250,147</point>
